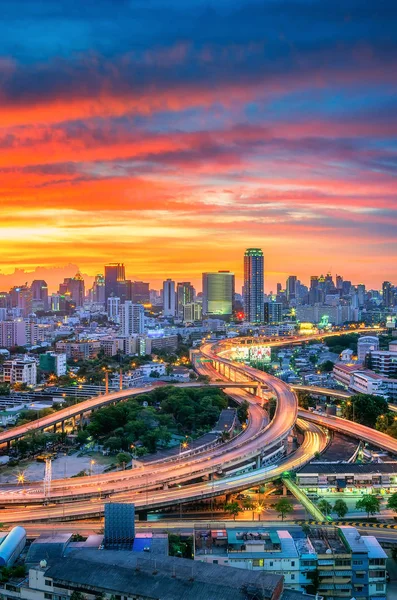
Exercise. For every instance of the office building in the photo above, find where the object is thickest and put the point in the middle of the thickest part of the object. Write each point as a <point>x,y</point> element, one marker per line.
<point>218,293</point>
<point>79,350</point>
<point>52,362</point>
<point>98,290</point>
<point>114,275</point>
<point>192,312</point>
<point>169,298</point>
<point>387,294</point>
<point>290,287</point>
<point>12,333</point>
<point>20,370</point>
<point>113,309</point>
<point>361,295</point>
<point>140,293</point>
<point>39,291</point>
<point>273,313</point>
<point>365,344</point>
<point>21,298</point>
<point>253,285</point>
<point>132,318</point>
<point>73,289</point>
<point>185,294</point>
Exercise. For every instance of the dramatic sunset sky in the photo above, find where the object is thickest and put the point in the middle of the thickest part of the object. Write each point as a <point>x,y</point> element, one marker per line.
<point>172,134</point>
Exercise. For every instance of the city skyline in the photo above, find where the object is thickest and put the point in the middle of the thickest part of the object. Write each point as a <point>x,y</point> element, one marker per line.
<point>200,137</point>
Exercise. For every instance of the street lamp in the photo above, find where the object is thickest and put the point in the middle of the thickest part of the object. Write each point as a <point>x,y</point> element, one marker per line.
<point>92,463</point>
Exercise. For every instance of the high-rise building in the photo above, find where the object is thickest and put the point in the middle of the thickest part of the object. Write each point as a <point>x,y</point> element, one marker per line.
<point>253,285</point>
<point>291,287</point>
<point>184,295</point>
<point>39,290</point>
<point>218,293</point>
<point>132,317</point>
<point>114,274</point>
<point>387,294</point>
<point>140,293</point>
<point>98,289</point>
<point>361,295</point>
<point>113,309</point>
<point>192,312</point>
<point>339,282</point>
<point>21,298</point>
<point>12,333</point>
<point>169,298</point>
<point>73,289</point>
<point>273,314</point>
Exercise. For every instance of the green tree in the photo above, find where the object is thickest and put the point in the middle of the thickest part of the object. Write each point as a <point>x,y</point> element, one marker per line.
<point>283,507</point>
<point>123,458</point>
<point>233,508</point>
<point>242,411</point>
<point>365,408</point>
<point>392,502</point>
<point>368,503</point>
<point>326,366</point>
<point>324,506</point>
<point>340,507</point>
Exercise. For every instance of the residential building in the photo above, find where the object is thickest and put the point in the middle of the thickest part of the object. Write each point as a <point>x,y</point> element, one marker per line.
<point>20,370</point>
<point>78,350</point>
<point>132,318</point>
<point>53,362</point>
<point>218,293</point>
<point>253,285</point>
<point>365,344</point>
<point>148,369</point>
<point>387,294</point>
<point>273,313</point>
<point>383,361</point>
<point>169,298</point>
<point>113,309</point>
<point>12,333</point>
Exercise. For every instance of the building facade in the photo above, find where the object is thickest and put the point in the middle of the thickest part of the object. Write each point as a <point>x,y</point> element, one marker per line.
<point>253,285</point>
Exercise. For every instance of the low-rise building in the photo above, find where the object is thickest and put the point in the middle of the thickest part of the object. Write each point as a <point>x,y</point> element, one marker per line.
<point>20,370</point>
<point>350,478</point>
<point>53,362</point>
<point>79,350</point>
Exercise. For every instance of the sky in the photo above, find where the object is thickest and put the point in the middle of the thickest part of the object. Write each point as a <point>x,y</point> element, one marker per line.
<point>171,134</point>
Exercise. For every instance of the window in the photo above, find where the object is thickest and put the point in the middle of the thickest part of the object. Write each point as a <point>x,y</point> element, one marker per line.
<point>257,562</point>
<point>271,563</point>
<point>292,576</point>
<point>292,563</point>
<point>360,575</point>
<point>380,587</point>
<point>357,562</point>
<point>214,562</point>
<point>48,582</point>
<point>48,596</point>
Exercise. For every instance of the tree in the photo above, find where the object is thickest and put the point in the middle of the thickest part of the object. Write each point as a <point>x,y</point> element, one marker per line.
<point>368,503</point>
<point>123,458</point>
<point>326,366</point>
<point>324,506</point>
<point>283,508</point>
<point>233,508</point>
<point>242,411</point>
<point>365,408</point>
<point>340,507</point>
<point>392,502</point>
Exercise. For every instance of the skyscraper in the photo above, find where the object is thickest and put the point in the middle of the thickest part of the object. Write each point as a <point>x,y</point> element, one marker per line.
<point>169,299</point>
<point>140,293</point>
<point>387,294</point>
<point>114,273</point>
<point>218,293</point>
<point>184,295</point>
<point>253,285</point>
<point>39,291</point>
<point>98,289</point>
<point>291,287</point>
<point>132,318</point>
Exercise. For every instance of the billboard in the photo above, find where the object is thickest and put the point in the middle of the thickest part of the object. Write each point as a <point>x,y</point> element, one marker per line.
<point>260,354</point>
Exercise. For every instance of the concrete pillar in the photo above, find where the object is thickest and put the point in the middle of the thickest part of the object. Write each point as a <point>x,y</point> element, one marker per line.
<point>258,462</point>
<point>63,426</point>
<point>285,491</point>
<point>106,382</point>
<point>55,428</point>
<point>8,445</point>
<point>121,380</point>
<point>73,422</point>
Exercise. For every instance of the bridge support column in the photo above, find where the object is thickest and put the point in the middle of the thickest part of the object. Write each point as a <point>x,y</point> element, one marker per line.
<point>142,515</point>
<point>8,445</point>
<point>74,422</point>
<point>63,426</point>
<point>228,498</point>
<point>81,418</point>
<point>258,462</point>
<point>165,486</point>
<point>55,428</point>
<point>285,491</point>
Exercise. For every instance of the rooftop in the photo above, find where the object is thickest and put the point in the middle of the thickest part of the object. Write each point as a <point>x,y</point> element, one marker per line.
<point>362,544</point>
<point>167,578</point>
<point>349,468</point>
